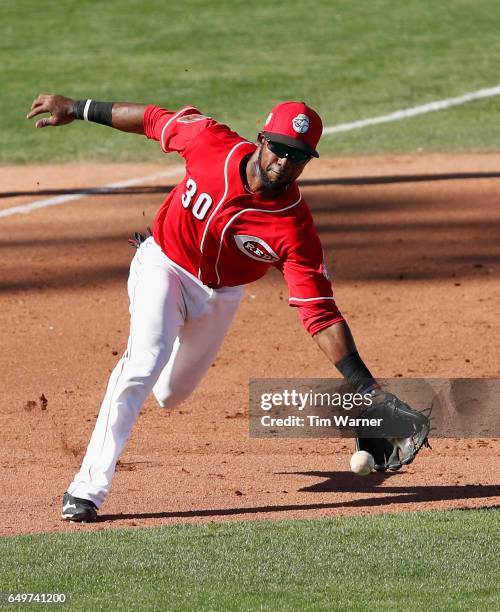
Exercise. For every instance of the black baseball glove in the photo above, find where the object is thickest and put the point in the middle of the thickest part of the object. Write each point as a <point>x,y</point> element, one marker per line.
<point>137,239</point>
<point>398,437</point>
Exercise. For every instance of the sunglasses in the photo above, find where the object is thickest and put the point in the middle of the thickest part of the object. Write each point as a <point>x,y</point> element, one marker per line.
<point>282,150</point>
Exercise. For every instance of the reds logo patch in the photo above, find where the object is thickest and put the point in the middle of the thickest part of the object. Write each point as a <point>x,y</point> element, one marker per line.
<point>300,123</point>
<point>256,248</point>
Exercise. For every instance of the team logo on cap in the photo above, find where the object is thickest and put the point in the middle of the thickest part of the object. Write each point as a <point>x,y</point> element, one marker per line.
<point>301,123</point>
<point>256,248</point>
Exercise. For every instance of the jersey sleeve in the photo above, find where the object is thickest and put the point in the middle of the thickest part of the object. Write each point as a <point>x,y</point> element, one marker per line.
<point>309,286</point>
<point>175,130</point>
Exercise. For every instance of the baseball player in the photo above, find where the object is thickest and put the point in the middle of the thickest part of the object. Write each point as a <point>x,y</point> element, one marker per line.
<point>237,212</point>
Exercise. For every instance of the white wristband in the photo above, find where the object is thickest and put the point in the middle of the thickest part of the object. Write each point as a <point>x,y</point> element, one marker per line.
<point>86,110</point>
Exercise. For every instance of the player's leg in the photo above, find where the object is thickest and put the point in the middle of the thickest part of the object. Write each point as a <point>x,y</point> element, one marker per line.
<point>157,313</point>
<point>196,348</point>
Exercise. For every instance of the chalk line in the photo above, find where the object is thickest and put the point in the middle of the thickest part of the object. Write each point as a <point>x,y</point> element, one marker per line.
<point>416,110</point>
<point>69,197</point>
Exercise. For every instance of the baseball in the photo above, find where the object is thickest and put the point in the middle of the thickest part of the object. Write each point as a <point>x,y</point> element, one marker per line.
<point>362,463</point>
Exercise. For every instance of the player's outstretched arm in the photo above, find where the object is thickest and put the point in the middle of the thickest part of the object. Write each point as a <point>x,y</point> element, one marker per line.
<point>405,430</point>
<point>123,116</point>
<point>338,345</point>
<point>336,341</point>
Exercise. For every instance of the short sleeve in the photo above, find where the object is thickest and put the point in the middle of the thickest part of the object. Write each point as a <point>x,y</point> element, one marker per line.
<point>175,130</point>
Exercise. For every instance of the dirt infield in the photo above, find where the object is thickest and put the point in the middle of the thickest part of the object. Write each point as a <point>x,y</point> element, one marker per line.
<point>414,250</point>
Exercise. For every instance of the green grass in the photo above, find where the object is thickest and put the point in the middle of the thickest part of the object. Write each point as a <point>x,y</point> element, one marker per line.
<point>235,59</point>
<point>432,561</point>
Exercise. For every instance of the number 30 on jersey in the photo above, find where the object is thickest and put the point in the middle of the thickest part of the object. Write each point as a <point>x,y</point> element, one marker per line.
<point>202,203</point>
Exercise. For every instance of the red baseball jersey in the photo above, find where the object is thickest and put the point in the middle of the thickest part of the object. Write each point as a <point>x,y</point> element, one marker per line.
<point>216,229</point>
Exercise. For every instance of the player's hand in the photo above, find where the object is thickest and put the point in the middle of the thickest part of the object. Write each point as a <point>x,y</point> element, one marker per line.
<point>59,107</point>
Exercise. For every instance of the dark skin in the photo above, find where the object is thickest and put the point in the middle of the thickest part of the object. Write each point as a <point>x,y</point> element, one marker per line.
<point>267,175</point>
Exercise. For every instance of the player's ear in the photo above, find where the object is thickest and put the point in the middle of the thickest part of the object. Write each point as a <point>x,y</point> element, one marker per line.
<point>260,138</point>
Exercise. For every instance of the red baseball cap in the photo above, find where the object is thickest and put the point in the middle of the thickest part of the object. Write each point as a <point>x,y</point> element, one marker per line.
<point>294,124</point>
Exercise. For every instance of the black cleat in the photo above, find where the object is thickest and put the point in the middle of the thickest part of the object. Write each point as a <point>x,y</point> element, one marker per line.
<point>78,510</point>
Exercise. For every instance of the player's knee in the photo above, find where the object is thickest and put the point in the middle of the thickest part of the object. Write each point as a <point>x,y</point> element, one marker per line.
<point>147,364</point>
<point>169,399</point>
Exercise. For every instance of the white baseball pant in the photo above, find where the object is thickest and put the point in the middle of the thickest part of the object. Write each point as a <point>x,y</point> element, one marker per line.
<point>177,326</point>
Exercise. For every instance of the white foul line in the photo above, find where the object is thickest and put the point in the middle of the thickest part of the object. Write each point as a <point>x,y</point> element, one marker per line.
<point>416,110</point>
<point>335,129</point>
<point>68,197</point>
